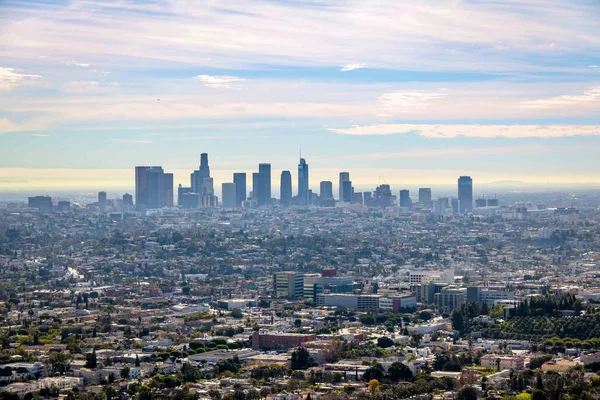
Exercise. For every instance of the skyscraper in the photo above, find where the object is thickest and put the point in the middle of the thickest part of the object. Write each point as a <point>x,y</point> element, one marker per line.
<point>344,177</point>
<point>239,178</point>
<point>127,203</point>
<point>347,191</point>
<point>149,187</point>
<point>404,199</point>
<point>465,193</point>
<point>228,195</point>
<point>382,196</point>
<point>182,191</point>
<point>42,203</point>
<point>264,192</point>
<point>102,201</point>
<point>425,198</point>
<point>303,182</point>
<point>285,188</point>
<point>326,190</point>
<point>202,184</point>
<point>168,190</point>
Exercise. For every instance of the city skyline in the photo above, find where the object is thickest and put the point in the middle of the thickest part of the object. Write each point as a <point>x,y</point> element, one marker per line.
<point>500,91</point>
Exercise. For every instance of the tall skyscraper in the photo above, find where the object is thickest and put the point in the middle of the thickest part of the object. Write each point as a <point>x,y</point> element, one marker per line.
<point>202,184</point>
<point>326,190</point>
<point>256,187</point>
<point>404,199</point>
<point>285,188</point>
<point>168,189</point>
<point>228,195</point>
<point>239,178</point>
<point>102,201</point>
<point>382,196</point>
<point>182,191</point>
<point>303,182</point>
<point>344,177</point>
<point>465,193</point>
<point>264,194</point>
<point>425,198</point>
<point>347,191</point>
<point>149,188</point>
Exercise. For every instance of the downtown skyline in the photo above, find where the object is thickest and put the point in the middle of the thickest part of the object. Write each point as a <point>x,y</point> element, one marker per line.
<point>412,93</point>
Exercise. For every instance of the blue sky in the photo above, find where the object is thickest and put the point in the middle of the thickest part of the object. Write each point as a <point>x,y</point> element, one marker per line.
<point>409,92</point>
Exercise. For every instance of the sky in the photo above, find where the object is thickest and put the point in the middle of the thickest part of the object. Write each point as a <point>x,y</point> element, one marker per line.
<point>402,92</point>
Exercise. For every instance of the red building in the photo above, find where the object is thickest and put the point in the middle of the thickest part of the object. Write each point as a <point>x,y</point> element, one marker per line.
<point>279,341</point>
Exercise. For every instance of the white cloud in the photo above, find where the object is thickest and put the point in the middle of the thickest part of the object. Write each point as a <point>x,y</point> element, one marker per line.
<point>352,67</point>
<point>78,64</point>
<point>407,101</point>
<point>40,135</point>
<point>220,81</point>
<point>478,131</point>
<point>590,95</point>
<point>593,66</point>
<point>10,78</point>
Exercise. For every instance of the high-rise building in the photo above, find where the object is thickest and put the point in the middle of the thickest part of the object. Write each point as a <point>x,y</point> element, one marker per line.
<point>382,196</point>
<point>465,193</point>
<point>367,198</point>
<point>264,197</point>
<point>202,184</point>
<point>303,196</point>
<point>441,205</point>
<point>285,188</point>
<point>288,284</point>
<point>326,189</point>
<point>228,194</point>
<point>344,177</point>
<point>149,188</point>
<point>404,199</point>
<point>454,205</point>
<point>42,203</point>
<point>168,189</point>
<point>256,187</point>
<point>63,206</point>
<point>425,198</point>
<point>127,199</point>
<point>481,202</point>
<point>239,178</point>
<point>347,191</point>
<point>102,201</point>
<point>181,191</point>
<point>357,197</point>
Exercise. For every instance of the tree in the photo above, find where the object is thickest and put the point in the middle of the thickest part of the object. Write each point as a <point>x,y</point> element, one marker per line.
<point>236,313</point>
<point>125,372</point>
<point>467,393</point>
<point>397,371</point>
<point>458,322</point>
<point>538,395</point>
<point>385,342</point>
<point>214,394</point>
<point>374,372</point>
<point>91,359</point>
<point>374,386</point>
<point>301,359</point>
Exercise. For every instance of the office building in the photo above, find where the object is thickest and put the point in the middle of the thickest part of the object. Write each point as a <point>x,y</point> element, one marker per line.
<point>228,195</point>
<point>303,195</point>
<point>349,301</point>
<point>102,201</point>
<point>202,183</point>
<point>479,203</point>
<point>382,196</point>
<point>404,303</point>
<point>261,185</point>
<point>465,193</point>
<point>150,188</point>
<point>63,206</point>
<point>451,297</point>
<point>441,205</point>
<point>454,206</point>
<point>280,341</point>
<point>492,202</point>
<point>357,197</point>
<point>347,193</point>
<point>189,200</point>
<point>285,188</point>
<point>288,284</point>
<point>127,200</point>
<point>404,199</point>
<point>42,203</point>
<point>239,178</point>
<point>168,189</point>
<point>344,177</point>
<point>425,198</point>
<point>326,189</point>
<point>181,191</point>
